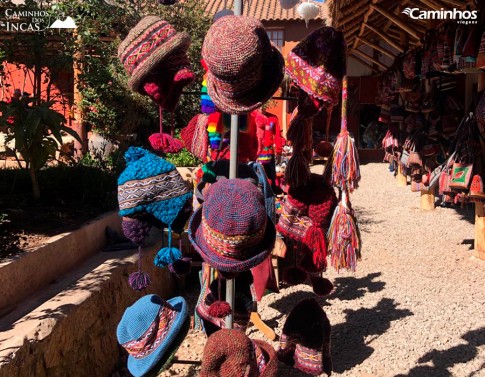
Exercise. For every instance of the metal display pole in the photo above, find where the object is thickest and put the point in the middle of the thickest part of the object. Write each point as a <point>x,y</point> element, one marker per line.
<point>230,284</point>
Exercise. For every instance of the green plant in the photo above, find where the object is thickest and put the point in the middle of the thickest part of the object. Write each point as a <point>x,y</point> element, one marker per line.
<point>9,241</point>
<point>36,129</point>
<point>182,159</point>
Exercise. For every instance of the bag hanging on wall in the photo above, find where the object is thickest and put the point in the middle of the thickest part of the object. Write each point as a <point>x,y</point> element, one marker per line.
<point>461,176</point>
<point>405,158</point>
<point>418,186</point>
<point>415,158</point>
<point>436,173</point>
<point>445,180</point>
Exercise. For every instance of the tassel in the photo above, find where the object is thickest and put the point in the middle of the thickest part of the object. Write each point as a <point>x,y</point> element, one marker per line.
<point>345,159</point>
<point>181,266</point>
<point>297,172</point>
<point>321,286</point>
<point>344,243</point>
<point>139,280</point>
<point>314,240</point>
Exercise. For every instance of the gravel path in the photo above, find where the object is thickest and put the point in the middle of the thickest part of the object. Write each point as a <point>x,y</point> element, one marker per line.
<point>416,305</point>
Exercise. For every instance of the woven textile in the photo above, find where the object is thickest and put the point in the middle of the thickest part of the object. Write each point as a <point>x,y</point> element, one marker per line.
<point>305,341</point>
<point>244,68</point>
<point>149,184</point>
<point>231,230</point>
<point>195,136</point>
<point>317,64</point>
<point>148,45</point>
<point>230,353</point>
<point>148,328</point>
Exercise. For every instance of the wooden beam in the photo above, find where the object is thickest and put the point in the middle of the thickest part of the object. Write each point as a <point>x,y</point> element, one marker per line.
<point>396,11</point>
<point>395,19</point>
<point>363,62</point>
<point>385,38</point>
<point>377,47</point>
<point>361,31</point>
<point>456,3</point>
<point>349,17</point>
<point>369,58</point>
<point>434,4</point>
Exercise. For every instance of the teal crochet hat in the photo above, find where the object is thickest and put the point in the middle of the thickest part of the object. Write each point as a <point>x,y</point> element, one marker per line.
<point>152,185</point>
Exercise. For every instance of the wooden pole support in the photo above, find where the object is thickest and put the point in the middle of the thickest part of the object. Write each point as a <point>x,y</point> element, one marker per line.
<point>369,58</point>
<point>385,38</point>
<point>428,199</point>
<point>377,47</point>
<point>480,230</point>
<point>402,180</point>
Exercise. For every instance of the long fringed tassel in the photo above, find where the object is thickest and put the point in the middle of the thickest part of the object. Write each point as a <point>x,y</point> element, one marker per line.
<point>345,158</point>
<point>344,242</point>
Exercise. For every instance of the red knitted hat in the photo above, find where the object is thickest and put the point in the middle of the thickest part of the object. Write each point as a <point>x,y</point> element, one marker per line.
<point>230,353</point>
<point>244,68</point>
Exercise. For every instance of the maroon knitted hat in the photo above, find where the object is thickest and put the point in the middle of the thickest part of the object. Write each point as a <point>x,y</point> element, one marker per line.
<point>244,68</point>
<point>305,341</point>
<point>195,136</point>
<point>230,353</point>
<point>318,63</point>
<point>147,46</point>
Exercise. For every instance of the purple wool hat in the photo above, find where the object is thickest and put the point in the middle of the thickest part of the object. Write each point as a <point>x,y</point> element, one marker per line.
<point>245,69</point>
<point>231,230</point>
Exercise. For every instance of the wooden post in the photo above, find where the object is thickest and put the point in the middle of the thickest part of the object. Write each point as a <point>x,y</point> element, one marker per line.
<point>480,206</point>
<point>395,19</point>
<point>428,199</point>
<point>402,180</point>
<point>480,230</point>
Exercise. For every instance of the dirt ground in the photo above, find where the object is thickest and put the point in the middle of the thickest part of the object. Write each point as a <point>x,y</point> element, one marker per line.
<point>415,306</point>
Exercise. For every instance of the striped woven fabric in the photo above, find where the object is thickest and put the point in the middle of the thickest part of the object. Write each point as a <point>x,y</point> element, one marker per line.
<point>156,333</point>
<point>308,360</point>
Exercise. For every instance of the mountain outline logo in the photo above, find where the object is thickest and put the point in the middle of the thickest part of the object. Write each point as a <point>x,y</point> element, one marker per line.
<point>68,23</point>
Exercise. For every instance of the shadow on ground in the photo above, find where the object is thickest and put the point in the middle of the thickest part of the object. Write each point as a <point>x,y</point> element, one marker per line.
<point>442,360</point>
<point>350,343</point>
<point>351,288</point>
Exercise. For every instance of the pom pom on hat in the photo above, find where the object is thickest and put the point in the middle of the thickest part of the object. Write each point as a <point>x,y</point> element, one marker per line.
<point>321,286</point>
<point>167,256</point>
<point>139,280</point>
<point>181,266</point>
<point>220,309</point>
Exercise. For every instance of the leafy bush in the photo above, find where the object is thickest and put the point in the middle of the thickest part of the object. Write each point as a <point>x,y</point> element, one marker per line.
<point>182,159</point>
<point>9,241</point>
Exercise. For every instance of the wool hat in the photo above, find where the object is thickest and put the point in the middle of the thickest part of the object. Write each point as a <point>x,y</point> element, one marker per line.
<point>152,185</point>
<point>318,64</point>
<point>230,353</point>
<point>195,136</point>
<point>148,328</point>
<point>231,229</point>
<point>245,69</point>
<point>305,341</point>
<point>148,46</point>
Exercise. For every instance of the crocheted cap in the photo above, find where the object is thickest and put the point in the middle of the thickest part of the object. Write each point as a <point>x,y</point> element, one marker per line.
<point>231,230</point>
<point>230,353</point>
<point>305,341</point>
<point>244,68</point>
<point>318,64</point>
<point>150,184</point>
<point>148,328</point>
<point>147,46</point>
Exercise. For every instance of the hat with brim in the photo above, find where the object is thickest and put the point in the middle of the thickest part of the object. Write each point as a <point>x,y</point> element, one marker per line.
<point>222,263</point>
<point>273,74</point>
<point>147,315</point>
<point>147,46</point>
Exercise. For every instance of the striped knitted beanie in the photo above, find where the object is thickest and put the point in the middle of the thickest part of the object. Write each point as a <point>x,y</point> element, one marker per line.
<point>230,353</point>
<point>149,184</point>
<point>195,136</point>
<point>148,45</point>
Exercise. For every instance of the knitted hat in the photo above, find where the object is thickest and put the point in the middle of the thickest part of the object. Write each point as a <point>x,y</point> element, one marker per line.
<point>230,353</point>
<point>231,230</point>
<point>305,341</point>
<point>149,184</point>
<point>195,136</point>
<point>148,46</point>
<point>148,328</point>
<point>317,64</point>
<point>244,68</point>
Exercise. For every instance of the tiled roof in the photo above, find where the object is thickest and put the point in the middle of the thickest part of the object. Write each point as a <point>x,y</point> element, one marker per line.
<point>264,10</point>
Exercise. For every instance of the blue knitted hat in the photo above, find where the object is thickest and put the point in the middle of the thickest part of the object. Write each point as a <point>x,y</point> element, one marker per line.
<point>148,328</point>
<point>149,184</point>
